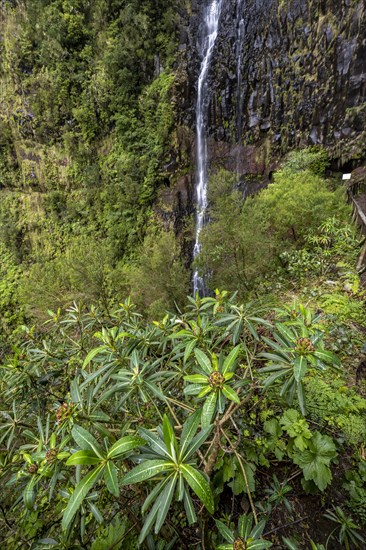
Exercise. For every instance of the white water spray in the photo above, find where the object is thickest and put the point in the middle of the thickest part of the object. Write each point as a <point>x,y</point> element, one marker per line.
<point>211,21</point>
<point>239,94</point>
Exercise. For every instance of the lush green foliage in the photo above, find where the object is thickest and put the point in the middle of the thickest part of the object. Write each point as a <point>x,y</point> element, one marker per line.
<point>87,130</point>
<point>96,403</point>
<point>119,432</point>
<point>293,229</point>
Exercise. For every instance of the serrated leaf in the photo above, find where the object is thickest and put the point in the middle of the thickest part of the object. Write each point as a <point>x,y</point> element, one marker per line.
<point>199,486</point>
<point>315,460</point>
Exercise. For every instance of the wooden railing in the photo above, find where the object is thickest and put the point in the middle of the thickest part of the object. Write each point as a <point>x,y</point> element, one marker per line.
<point>356,195</point>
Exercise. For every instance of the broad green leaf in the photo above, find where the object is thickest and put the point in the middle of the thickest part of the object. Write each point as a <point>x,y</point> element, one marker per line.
<point>29,494</point>
<point>125,444</point>
<point>189,508</point>
<point>146,470</point>
<point>258,529</point>
<point>208,409</point>
<point>86,441</point>
<point>291,544</point>
<point>166,497</point>
<point>327,357</point>
<point>196,379</point>
<point>225,531</point>
<point>197,441</point>
<point>169,435</point>
<point>155,442</point>
<point>301,397</point>
<point>276,358</point>
<point>75,391</point>
<point>150,519</point>
<point>230,359</point>
<point>281,373</point>
<point>285,332</point>
<point>92,354</point>
<point>230,394</point>
<point>300,368</point>
<point>96,512</point>
<point>259,545</point>
<point>153,494</point>
<point>96,374</point>
<point>199,486</point>
<point>238,484</point>
<point>154,390</point>
<point>316,459</point>
<point>110,478</point>
<point>189,430</point>
<point>192,389</point>
<point>245,525</point>
<point>84,458</point>
<point>203,361</point>
<point>189,348</point>
<point>80,492</point>
<point>180,488</point>
<point>205,390</point>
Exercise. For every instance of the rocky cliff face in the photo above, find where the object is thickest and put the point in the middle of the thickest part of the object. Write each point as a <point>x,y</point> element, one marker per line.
<point>285,75</point>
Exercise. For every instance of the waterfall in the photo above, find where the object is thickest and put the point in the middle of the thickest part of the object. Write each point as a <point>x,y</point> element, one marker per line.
<point>239,92</point>
<point>211,19</point>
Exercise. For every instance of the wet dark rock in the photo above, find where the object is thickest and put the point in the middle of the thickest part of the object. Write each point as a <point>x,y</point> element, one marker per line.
<point>303,80</point>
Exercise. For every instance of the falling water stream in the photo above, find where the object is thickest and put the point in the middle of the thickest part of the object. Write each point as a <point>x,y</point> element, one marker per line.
<point>211,21</point>
<point>239,46</point>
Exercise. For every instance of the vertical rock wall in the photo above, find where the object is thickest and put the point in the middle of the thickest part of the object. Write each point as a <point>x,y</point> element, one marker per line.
<point>303,81</point>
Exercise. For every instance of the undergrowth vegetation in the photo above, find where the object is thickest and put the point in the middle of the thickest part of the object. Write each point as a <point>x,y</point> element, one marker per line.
<point>118,432</point>
<point>234,421</point>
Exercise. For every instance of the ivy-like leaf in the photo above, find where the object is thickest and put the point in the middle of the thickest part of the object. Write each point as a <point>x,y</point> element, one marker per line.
<point>315,460</point>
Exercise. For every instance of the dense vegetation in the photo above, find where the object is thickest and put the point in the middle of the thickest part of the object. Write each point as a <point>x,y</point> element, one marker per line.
<point>87,130</point>
<point>231,421</point>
